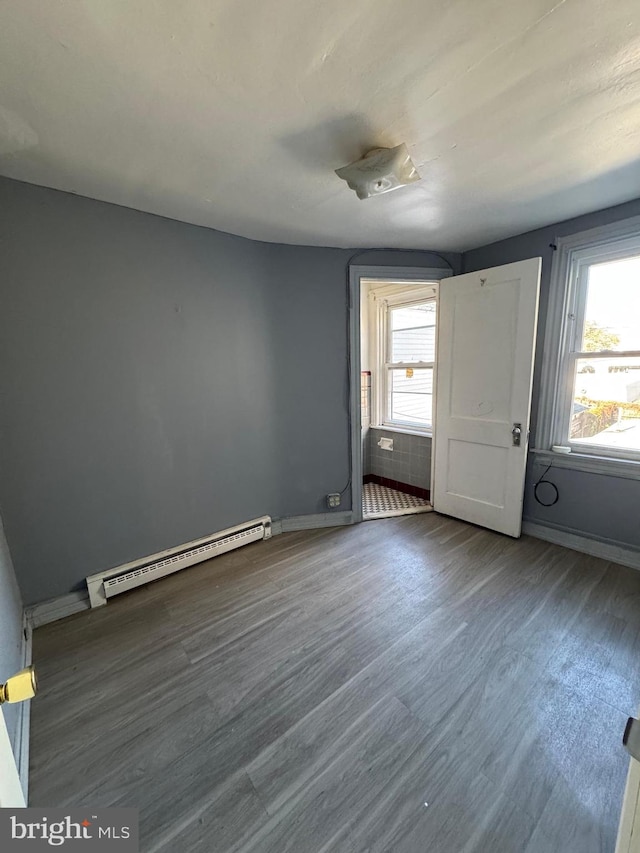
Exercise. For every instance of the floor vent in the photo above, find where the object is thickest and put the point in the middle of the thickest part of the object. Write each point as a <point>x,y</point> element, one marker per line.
<point>105,585</point>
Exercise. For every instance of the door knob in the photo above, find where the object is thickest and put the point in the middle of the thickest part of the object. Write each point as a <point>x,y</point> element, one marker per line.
<point>516,434</point>
<point>19,687</point>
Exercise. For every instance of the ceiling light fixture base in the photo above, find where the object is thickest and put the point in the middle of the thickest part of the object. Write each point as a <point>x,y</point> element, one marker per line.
<point>380,171</point>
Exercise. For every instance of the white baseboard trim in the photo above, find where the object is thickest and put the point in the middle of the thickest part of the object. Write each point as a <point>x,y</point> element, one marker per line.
<point>22,747</point>
<point>57,608</point>
<point>74,602</point>
<point>608,549</point>
<point>311,522</point>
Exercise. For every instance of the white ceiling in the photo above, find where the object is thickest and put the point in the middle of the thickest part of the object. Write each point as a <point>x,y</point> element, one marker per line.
<point>234,113</point>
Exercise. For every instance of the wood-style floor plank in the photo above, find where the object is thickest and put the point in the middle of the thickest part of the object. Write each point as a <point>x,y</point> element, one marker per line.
<point>406,685</point>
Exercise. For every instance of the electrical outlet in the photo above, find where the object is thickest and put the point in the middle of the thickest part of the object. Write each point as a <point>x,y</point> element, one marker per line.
<point>333,500</point>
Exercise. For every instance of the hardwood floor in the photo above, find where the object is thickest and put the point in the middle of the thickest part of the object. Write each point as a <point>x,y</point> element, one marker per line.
<point>411,685</point>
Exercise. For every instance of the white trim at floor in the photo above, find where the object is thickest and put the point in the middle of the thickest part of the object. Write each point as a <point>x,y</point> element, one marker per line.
<point>57,608</point>
<point>614,552</point>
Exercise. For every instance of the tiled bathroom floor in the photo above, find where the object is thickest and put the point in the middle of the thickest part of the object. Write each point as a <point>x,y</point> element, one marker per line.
<point>383,502</point>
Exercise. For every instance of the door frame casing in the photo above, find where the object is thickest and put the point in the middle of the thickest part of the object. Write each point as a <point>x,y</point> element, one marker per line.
<point>382,274</point>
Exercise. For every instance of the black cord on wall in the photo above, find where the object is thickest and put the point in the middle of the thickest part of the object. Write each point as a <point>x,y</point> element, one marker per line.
<point>543,482</point>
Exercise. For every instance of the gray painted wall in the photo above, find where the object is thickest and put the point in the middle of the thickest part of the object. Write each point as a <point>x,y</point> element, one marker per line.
<point>123,337</point>
<point>10,633</point>
<point>160,382</point>
<point>596,506</point>
<point>408,462</point>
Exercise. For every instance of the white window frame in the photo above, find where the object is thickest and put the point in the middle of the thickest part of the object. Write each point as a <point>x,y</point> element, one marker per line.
<point>384,298</point>
<point>565,318</point>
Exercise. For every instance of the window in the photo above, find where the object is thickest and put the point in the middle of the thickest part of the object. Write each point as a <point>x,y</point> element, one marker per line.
<point>406,355</point>
<point>594,341</point>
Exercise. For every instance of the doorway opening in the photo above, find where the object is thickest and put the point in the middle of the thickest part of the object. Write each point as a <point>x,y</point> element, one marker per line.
<point>486,331</point>
<point>395,365</point>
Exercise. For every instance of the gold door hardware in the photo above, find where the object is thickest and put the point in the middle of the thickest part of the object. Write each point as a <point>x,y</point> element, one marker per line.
<point>19,687</point>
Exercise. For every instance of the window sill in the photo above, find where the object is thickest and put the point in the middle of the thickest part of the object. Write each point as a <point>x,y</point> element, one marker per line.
<point>403,430</point>
<point>627,469</point>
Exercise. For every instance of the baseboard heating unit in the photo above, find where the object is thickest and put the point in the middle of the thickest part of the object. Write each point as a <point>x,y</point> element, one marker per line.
<point>105,585</point>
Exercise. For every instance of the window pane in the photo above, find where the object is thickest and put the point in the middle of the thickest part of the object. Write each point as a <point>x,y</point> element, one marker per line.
<point>612,318</point>
<point>413,332</point>
<point>411,396</point>
<point>606,403</point>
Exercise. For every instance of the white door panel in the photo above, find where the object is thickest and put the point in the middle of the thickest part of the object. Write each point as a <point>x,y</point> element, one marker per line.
<point>486,341</point>
<point>11,795</point>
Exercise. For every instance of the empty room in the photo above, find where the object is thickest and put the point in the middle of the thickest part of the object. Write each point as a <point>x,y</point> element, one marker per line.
<point>320,426</point>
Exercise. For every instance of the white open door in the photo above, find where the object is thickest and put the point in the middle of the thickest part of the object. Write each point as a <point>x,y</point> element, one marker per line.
<point>11,795</point>
<point>629,827</point>
<point>486,342</point>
